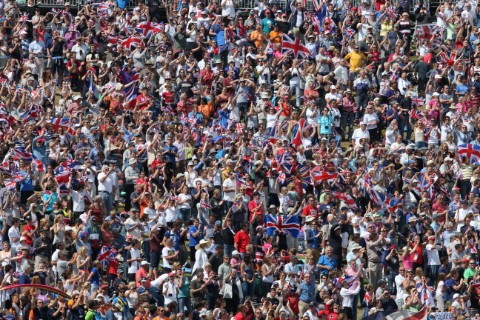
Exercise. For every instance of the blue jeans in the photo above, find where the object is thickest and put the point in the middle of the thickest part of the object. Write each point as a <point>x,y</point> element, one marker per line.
<point>248,289</point>
<point>228,249</point>
<point>185,214</point>
<point>347,122</point>
<point>155,293</point>
<point>432,272</point>
<point>107,199</point>
<point>183,304</point>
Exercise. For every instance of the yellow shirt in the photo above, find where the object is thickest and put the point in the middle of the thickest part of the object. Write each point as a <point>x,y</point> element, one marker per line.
<point>356,60</point>
<point>385,28</point>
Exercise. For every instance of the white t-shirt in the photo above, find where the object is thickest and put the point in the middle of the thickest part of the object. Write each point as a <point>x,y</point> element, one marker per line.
<point>359,134</point>
<point>134,265</point>
<point>107,184</point>
<point>371,119</point>
<point>184,197</point>
<point>229,184</point>
<point>433,258</point>
<point>312,116</point>
<point>137,232</point>
<point>170,290</point>
<point>78,198</point>
<point>165,253</point>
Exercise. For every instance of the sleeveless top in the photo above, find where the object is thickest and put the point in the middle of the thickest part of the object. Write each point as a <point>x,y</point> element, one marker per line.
<point>268,278</point>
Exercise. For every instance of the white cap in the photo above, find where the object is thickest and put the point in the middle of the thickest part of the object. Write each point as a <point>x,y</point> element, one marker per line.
<point>144,263</point>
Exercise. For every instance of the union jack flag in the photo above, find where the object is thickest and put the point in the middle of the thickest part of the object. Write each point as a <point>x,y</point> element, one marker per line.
<point>58,123</point>
<point>18,177</point>
<point>62,174</point>
<point>345,198</point>
<point>294,46</point>
<point>351,280</point>
<point>416,114</point>
<point>21,153</point>
<point>282,224</point>
<point>281,177</point>
<point>394,203</point>
<point>379,198</point>
<point>471,151</point>
<point>10,184</point>
<point>63,190</point>
<point>132,42</point>
<point>297,139</point>
<point>149,28</point>
<point>107,254</point>
<point>349,32</point>
<point>32,113</point>
<point>74,164</point>
<point>418,101</point>
<point>320,175</point>
<point>240,179</point>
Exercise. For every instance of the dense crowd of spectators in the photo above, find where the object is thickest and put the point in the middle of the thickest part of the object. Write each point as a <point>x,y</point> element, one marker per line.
<point>300,160</point>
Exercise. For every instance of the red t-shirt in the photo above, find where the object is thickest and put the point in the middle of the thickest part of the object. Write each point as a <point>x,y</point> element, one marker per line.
<point>139,275</point>
<point>169,97</point>
<point>309,211</point>
<point>242,239</point>
<point>29,228</point>
<point>251,210</point>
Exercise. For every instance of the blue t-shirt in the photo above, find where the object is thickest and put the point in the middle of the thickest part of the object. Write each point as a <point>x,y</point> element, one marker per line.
<point>96,277</point>
<point>325,123</point>
<point>27,183</point>
<point>193,241</point>
<point>170,155</point>
<point>329,262</point>
<point>53,198</point>
<point>176,239</point>
<point>308,291</point>
<point>461,88</point>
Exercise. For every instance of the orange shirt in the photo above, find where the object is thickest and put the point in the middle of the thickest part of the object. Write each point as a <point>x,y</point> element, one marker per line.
<point>206,110</point>
<point>257,38</point>
<point>276,37</point>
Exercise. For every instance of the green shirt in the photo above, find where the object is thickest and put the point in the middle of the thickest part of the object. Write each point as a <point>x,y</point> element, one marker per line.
<point>184,290</point>
<point>468,273</point>
<point>90,315</point>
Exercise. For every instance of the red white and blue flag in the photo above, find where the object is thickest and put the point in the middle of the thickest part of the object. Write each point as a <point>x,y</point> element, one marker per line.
<point>132,42</point>
<point>32,113</point>
<point>471,151</point>
<point>297,139</point>
<point>345,198</point>
<point>21,153</point>
<point>149,28</point>
<point>107,254</point>
<point>418,101</point>
<point>282,224</point>
<point>58,123</point>
<point>318,175</point>
<point>37,164</point>
<point>62,174</point>
<point>295,47</point>
<point>10,184</point>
